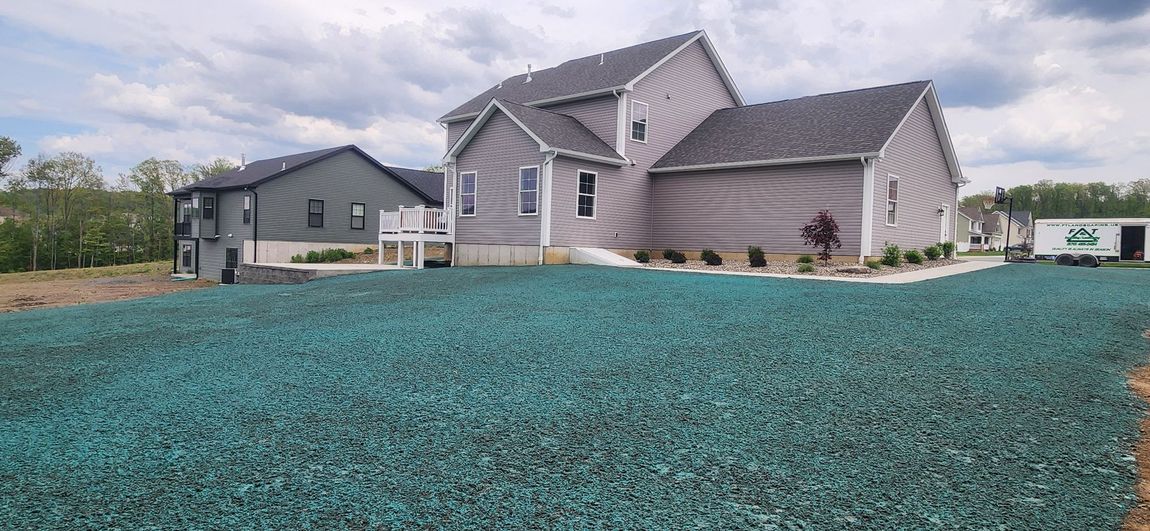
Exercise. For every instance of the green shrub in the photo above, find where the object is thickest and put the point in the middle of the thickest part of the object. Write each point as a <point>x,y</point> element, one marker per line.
<point>297,259</point>
<point>932,252</point>
<point>312,257</point>
<point>873,264</point>
<point>710,257</point>
<point>913,256</point>
<point>678,258</point>
<point>806,259</point>
<point>642,257</point>
<point>947,249</point>
<point>891,255</point>
<point>755,256</point>
<point>369,250</point>
<point>668,253</point>
<point>806,268</point>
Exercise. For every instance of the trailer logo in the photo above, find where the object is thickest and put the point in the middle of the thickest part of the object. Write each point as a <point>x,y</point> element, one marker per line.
<point>1082,238</point>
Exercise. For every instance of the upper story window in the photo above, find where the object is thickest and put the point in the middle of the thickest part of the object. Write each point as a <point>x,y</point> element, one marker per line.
<point>187,212</point>
<point>586,203</point>
<point>358,211</point>
<point>529,191</point>
<point>467,193</point>
<point>314,213</point>
<point>209,211</point>
<point>639,121</point>
<point>892,200</point>
<point>247,209</point>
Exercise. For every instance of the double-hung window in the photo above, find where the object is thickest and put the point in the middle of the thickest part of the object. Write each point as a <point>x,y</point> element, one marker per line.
<point>187,255</point>
<point>247,209</point>
<point>209,210</point>
<point>529,191</point>
<point>586,204</point>
<point>314,213</point>
<point>639,121</point>
<point>467,193</point>
<point>892,200</point>
<point>187,212</point>
<point>358,211</point>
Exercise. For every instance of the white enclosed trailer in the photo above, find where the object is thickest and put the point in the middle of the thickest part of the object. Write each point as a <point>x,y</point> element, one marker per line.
<point>1087,242</point>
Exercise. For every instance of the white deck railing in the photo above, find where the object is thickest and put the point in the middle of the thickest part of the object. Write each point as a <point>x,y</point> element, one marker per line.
<point>418,219</point>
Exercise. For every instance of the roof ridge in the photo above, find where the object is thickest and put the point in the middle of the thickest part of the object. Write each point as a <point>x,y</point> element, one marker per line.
<point>644,43</point>
<point>827,94</point>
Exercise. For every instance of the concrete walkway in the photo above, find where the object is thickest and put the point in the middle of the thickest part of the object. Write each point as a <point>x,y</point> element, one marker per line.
<point>897,278</point>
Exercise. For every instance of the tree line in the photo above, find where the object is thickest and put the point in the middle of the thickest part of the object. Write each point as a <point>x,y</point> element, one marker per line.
<point>62,213</point>
<point>1047,199</point>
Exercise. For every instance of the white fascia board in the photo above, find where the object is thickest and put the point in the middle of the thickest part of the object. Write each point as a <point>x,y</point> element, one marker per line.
<point>482,119</point>
<point>631,84</point>
<point>545,101</point>
<point>866,246</point>
<point>759,163</point>
<point>715,61</point>
<point>931,97</point>
<point>586,156</point>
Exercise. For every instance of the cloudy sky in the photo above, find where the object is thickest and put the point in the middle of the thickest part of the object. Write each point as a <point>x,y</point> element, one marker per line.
<point>1032,89</point>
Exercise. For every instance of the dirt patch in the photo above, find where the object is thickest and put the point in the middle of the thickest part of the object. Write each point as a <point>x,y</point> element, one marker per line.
<point>31,294</point>
<point>1138,519</point>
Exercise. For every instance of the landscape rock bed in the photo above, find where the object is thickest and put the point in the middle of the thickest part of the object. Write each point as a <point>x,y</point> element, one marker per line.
<point>792,268</point>
<point>580,397</point>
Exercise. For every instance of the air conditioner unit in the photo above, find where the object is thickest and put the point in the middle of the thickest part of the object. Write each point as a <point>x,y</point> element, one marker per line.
<point>228,276</point>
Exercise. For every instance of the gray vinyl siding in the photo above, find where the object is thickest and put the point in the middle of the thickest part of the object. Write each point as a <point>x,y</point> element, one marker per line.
<point>728,210</point>
<point>680,94</point>
<point>915,156</point>
<point>600,115</point>
<point>622,207</point>
<point>338,181</point>
<point>454,131</point>
<point>496,153</point>
<point>232,231</point>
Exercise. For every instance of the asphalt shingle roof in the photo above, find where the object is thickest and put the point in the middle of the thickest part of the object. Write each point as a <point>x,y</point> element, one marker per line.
<point>973,213</point>
<point>841,123</point>
<point>428,182</point>
<point>577,76</point>
<point>1022,216</point>
<point>561,131</point>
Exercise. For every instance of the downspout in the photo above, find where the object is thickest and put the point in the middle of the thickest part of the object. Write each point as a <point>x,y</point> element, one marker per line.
<point>867,229</point>
<point>255,223</point>
<point>545,199</point>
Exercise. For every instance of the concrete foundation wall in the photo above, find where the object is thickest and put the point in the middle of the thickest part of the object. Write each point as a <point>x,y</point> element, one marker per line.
<point>281,252</point>
<point>469,254</point>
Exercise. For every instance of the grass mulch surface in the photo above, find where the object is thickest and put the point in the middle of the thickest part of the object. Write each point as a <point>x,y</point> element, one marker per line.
<point>576,396</point>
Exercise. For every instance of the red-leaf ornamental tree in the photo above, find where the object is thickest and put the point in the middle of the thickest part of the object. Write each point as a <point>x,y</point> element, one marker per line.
<point>822,233</point>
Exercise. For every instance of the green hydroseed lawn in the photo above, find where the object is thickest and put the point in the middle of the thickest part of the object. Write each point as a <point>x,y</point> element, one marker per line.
<point>576,396</point>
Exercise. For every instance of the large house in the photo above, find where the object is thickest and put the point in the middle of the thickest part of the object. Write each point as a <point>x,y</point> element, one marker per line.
<point>269,210</point>
<point>652,146</point>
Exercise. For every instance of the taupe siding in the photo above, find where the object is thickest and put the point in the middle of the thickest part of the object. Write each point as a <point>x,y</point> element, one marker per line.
<point>622,207</point>
<point>695,90</point>
<point>730,209</point>
<point>338,182</point>
<point>599,115</point>
<point>454,131</point>
<point>915,156</point>
<point>232,231</point>
<point>495,154</point>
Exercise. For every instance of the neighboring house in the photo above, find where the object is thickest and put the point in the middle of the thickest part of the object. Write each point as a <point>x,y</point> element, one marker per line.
<point>970,236</point>
<point>652,146</point>
<point>994,229</point>
<point>11,214</point>
<point>268,210</point>
<point>1022,228</point>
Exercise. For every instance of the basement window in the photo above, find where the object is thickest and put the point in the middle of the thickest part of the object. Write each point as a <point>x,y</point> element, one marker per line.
<point>314,213</point>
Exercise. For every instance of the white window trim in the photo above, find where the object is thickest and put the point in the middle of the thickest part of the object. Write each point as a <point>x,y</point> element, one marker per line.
<point>474,194</point>
<point>595,196</point>
<point>519,196</point>
<point>631,123</point>
<point>898,194</point>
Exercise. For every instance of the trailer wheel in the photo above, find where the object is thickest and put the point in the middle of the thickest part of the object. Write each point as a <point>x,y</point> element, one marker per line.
<point>1064,259</point>
<point>1088,260</point>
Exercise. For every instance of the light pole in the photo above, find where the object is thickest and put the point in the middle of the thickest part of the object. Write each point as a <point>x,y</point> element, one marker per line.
<point>1000,197</point>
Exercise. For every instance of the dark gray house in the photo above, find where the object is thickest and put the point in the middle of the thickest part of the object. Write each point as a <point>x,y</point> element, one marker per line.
<point>268,210</point>
<point>652,146</point>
